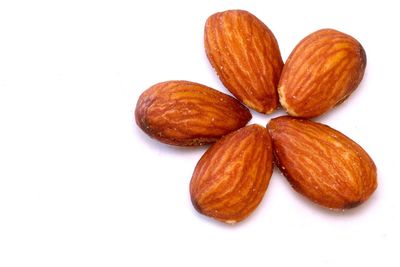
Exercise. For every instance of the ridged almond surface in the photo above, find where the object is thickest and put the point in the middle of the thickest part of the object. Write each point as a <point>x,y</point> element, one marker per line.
<point>321,72</point>
<point>232,176</point>
<point>246,57</point>
<point>321,163</point>
<point>187,114</point>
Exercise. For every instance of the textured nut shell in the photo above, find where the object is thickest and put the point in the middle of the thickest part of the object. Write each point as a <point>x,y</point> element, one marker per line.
<point>232,176</point>
<point>187,114</point>
<point>246,57</point>
<point>321,163</point>
<point>321,72</point>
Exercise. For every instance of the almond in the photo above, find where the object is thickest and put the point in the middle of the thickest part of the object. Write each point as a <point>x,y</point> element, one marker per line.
<point>187,114</point>
<point>321,72</point>
<point>232,176</point>
<point>245,54</point>
<point>321,163</point>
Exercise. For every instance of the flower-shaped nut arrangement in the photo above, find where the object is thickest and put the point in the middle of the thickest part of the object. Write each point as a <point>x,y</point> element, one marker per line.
<point>232,176</point>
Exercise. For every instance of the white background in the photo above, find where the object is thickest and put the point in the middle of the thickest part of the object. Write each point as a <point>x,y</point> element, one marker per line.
<point>81,185</point>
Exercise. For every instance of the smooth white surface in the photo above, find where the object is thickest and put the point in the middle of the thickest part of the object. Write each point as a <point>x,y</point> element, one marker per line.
<point>81,185</point>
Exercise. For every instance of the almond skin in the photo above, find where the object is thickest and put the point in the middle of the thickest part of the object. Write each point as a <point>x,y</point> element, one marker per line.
<point>184,113</point>
<point>321,72</point>
<point>321,163</point>
<point>231,178</point>
<point>245,54</point>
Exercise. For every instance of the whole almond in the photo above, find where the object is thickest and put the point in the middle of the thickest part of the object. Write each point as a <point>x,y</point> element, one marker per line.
<point>232,176</point>
<point>188,114</point>
<point>321,163</point>
<point>321,72</point>
<point>246,57</point>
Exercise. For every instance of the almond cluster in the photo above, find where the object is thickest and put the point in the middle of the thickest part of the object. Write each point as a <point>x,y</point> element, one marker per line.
<point>232,176</point>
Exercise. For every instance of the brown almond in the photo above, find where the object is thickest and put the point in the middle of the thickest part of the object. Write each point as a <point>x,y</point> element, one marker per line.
<point>321,72</point>
<point>231,178</point>
<point>188,114</point>
<point>321,163</point>
<point>245,54</point>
